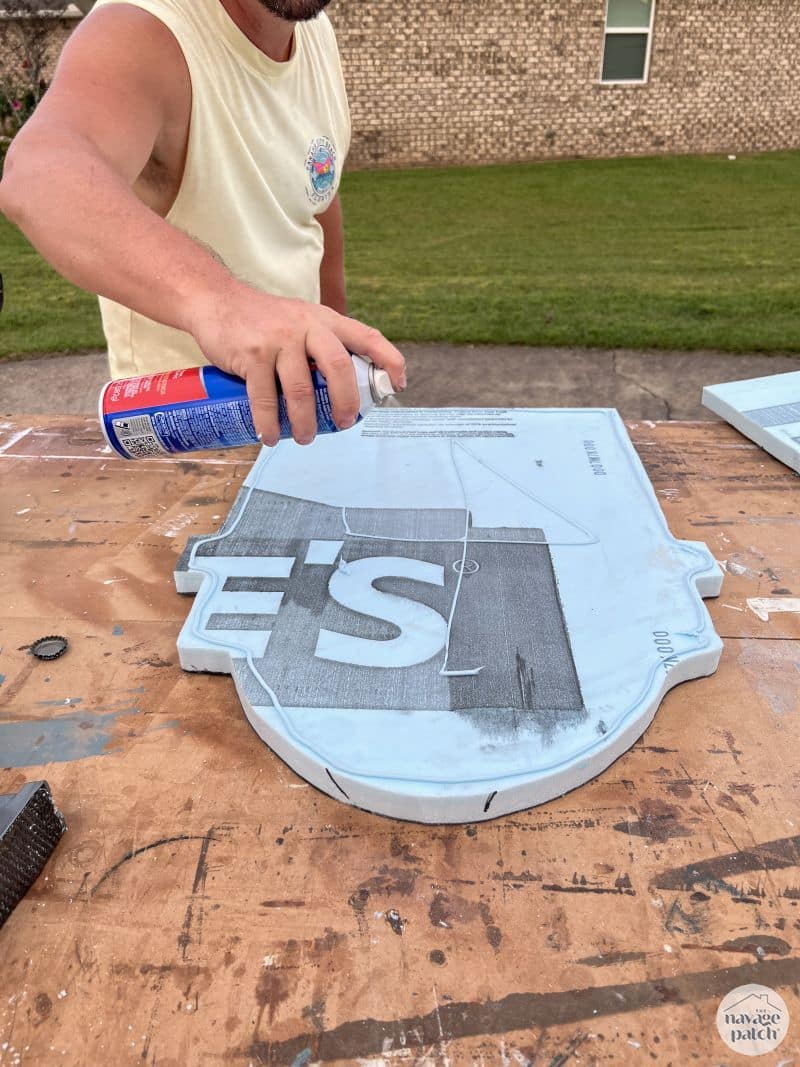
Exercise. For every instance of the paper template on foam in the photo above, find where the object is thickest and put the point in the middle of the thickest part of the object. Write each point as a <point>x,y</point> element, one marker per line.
<point>767,410</point>
<point>449,615</point>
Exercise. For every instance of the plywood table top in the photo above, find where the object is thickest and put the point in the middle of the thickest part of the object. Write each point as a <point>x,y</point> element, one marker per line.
<point>207,906</point>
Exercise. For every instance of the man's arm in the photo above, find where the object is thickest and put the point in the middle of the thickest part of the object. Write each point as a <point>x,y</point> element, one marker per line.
<point>331,272</point>
<point>69,172</point>
<point>68,182</point>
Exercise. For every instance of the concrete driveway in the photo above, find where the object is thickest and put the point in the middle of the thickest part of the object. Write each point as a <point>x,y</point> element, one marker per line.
<point>642,385</point>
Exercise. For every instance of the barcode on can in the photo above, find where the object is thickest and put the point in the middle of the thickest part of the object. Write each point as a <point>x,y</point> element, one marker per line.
<point>141,447</point>
<point>137,437</point>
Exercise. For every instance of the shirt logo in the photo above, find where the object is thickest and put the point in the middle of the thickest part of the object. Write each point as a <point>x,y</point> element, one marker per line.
<point>321,169</point>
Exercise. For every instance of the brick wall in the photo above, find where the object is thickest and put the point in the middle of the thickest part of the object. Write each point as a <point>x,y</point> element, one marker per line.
<point>485,81</point>
<point>10,30</point>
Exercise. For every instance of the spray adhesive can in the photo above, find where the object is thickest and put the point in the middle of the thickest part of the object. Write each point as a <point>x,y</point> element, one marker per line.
<point>203,407</point>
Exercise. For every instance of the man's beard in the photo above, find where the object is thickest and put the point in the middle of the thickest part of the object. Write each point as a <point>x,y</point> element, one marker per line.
<point>295,10</point>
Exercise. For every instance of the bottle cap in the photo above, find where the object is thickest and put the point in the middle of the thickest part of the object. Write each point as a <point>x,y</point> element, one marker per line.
<point>49,647</point>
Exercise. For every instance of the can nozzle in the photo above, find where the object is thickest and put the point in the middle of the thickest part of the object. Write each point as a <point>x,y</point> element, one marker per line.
<point>380,384</point>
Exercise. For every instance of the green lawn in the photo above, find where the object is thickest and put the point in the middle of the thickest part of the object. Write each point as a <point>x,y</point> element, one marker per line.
<point>688,252</point>
<point>42,312</point>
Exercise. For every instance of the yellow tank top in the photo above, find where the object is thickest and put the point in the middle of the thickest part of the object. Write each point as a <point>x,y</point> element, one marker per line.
<point>266,146</point>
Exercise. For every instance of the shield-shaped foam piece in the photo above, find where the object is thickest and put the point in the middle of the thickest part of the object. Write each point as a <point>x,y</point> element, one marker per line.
<point>449,615</point>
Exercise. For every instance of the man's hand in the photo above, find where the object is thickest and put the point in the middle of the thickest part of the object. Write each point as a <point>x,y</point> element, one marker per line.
<point>263,339</point>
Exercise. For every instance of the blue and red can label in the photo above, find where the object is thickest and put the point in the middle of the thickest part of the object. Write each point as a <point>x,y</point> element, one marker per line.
<point>190,410</point>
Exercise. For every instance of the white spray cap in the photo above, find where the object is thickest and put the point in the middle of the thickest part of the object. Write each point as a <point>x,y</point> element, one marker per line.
<point>380,384</point>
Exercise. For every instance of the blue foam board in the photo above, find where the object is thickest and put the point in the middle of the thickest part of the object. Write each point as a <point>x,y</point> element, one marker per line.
<point>767,410</point>
<point>449,615</point>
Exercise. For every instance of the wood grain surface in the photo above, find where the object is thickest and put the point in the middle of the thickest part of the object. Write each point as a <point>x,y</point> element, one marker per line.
<point>208,907</point>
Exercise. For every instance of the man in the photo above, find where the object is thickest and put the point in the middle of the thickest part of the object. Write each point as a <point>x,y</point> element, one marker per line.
<point>184,165</point>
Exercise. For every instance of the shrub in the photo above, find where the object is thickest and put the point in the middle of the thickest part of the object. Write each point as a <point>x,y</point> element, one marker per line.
<point>16,107</point>
<point>26,35</point>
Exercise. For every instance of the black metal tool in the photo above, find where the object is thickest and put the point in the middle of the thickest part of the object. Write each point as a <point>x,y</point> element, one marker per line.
<point>30,828</point>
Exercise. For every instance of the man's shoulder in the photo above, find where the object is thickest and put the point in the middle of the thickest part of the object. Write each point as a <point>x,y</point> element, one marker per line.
<point>171,21</point>
<point>322,27</point>
<point>321,32</point>
<point>165,10</point>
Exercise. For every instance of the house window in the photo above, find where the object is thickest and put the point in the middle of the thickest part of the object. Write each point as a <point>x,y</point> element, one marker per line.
<point>626,48</point>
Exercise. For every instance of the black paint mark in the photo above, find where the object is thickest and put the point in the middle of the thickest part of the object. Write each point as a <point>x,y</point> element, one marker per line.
<point>185,937</point>
<point>72,543</point>
<point>336,784</point>
<point>272,990</point>
<point>439,910</point>
<point>494,936</point>
<point>514,876</point>
<point>390,880</point>
<point>611,958</point>
<point>760,946</point>
<point>517,1011</point>
<point>657,821</point>
<point>489,800</point>
<point>748,791</point>
<point>677,920</point>
<point>201,871</point>
<point>526,683</point>
<point>44,1007</point>
<point>402,851</point>
<point>564,1057</point>
<point>680,787</point>
<point>199,885</point>
<point>138,852</point>
<point>315,1012</point>
<point>549,888</point>
<point>770,856</point>
<point>358,900</point>
<point>387,881</point>
<point>155,989</point>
